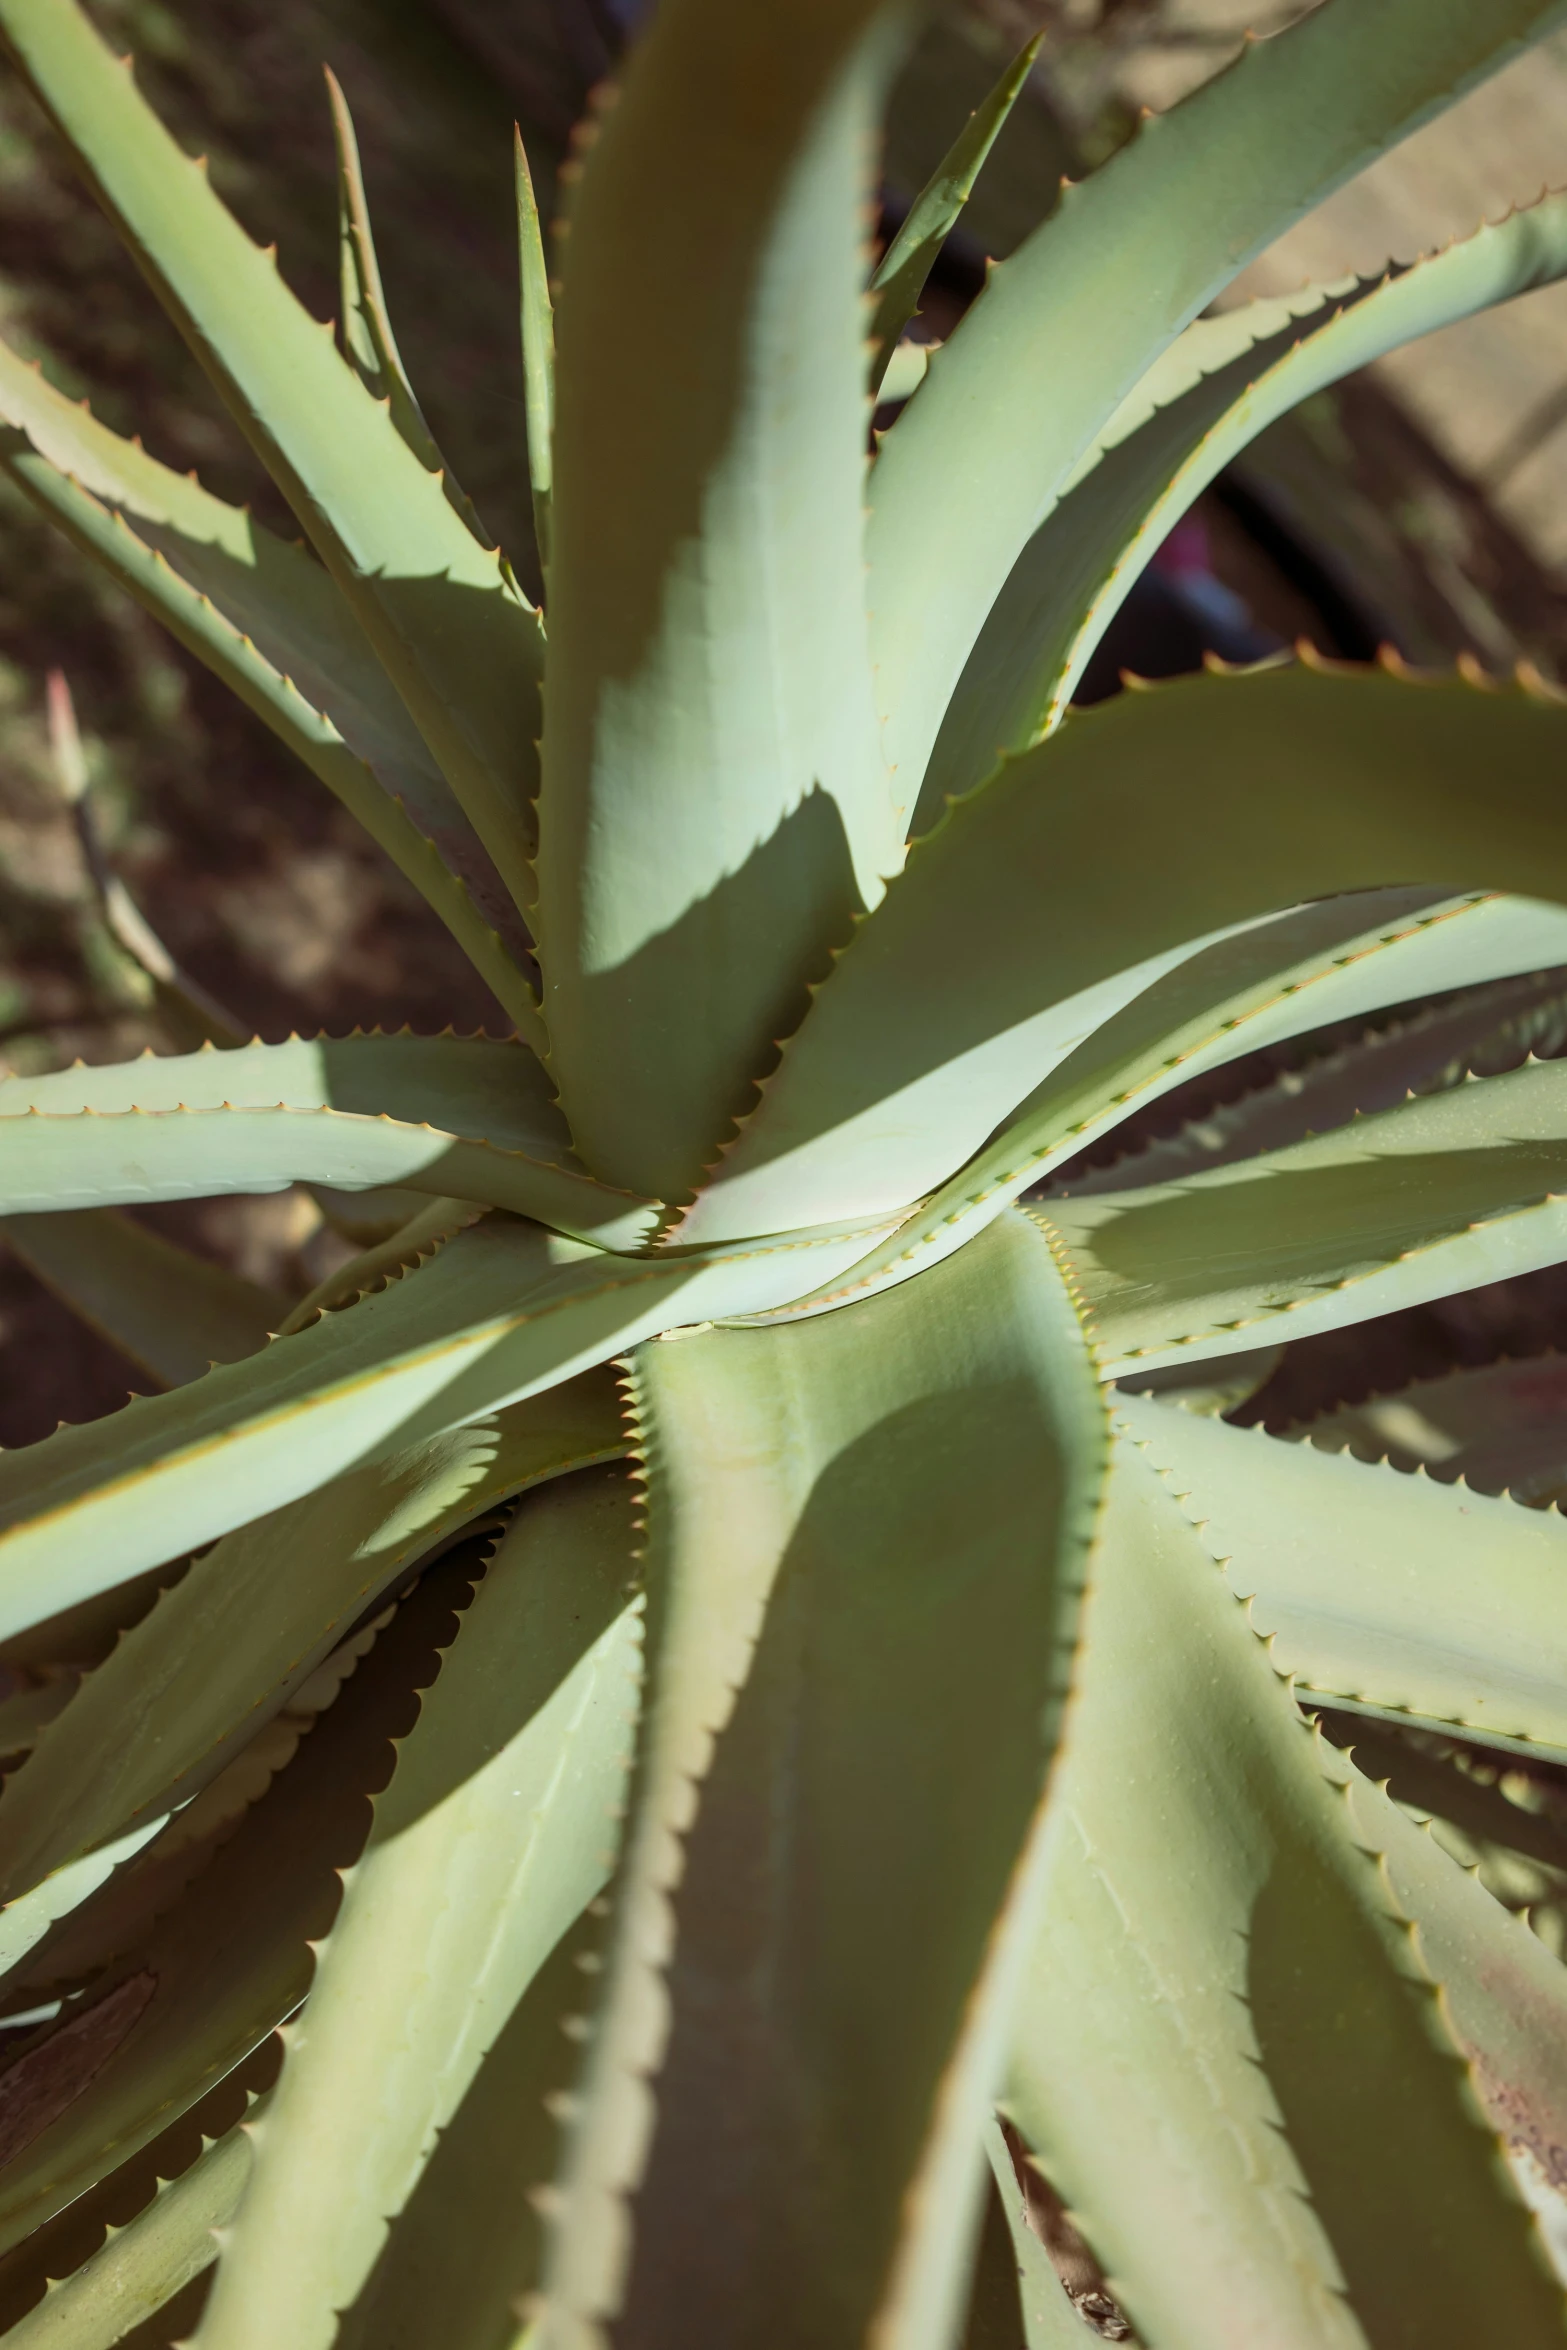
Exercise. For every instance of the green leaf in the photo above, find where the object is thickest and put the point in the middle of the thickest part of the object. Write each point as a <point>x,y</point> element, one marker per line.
<point>857,1661</point>
<point>900,276</point>
<point>715,808</point>
<point>365,327</point>
<point>194,617</point>
<point>1237,2071</point>
<point>145,2263</point>
<point>538,350</point>
<point>1141,832</point>
<point>1380,1592</point>
<point>503,1312</point>
<point>1503,1428</point>
<point>180,2008</point>
<point>1442,1194</point>
<point>1050,2321</point>
<point>463,650</point>
<point>467,2250</point>
<point>498,1828</point>
<point>354,1112</point>
<point>1065,329</point>
<point>1190,416</point>
<point>246,1626</point>
<point>1483,1031</point>
<point>275,595</point>
<point>170,1311</point>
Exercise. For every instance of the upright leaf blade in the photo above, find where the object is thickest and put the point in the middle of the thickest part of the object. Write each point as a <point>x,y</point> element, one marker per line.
<point>714,806</point>
<point>1194,411</point>
<point>865,1540</point>
<point>901,273</point>
<point>1067,326</point>
<point>462,649</point>
<point>498,1828</point>
<point>537,320</point>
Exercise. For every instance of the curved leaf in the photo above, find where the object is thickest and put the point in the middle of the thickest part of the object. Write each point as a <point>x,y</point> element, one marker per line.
<point>274,595</point>
<point>235,1638</point>
<point>1237,2071</point>
<point>1444,1193</point>
<point>170,1311</point>
<point>145,2263</point>
<point>714,806</point>
<point>195,619</point>
<point>856,1669</point>
<point>369,345</point>
<point>1386,1593</point>
<point>354,1112</point>
<point>463,650</point>
<point>1480,1033</point>
<point>180,2009</point>
<point>503,1312</point>
<point>1141,832</point>
<point>498,1828</point>
<point>1167,442</point>
<point>1065,329</point>
<point>900,275</point>
<point>1502,1429</point>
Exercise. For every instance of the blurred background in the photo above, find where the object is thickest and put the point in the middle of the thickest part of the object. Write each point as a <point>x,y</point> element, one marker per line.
<point>1423,504</point>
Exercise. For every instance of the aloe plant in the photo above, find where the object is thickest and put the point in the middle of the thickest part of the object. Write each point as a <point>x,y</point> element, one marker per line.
<point>556,1797</point>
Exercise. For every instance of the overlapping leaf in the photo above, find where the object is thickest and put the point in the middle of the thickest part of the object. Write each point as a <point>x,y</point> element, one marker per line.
<point>233,1640</point>
<point>1137,834</point>
<point>714,807</point>
<point>504,1311</point>
<point>498,1827</point>
<point>1502,1428</point>
<point>461,647</point>
<point>457,1116</point>
<point>856,1658</point>
<point>1384,1592</point>
<point>1237,2070</point>
<point>1167,442</point>
<point>1065,329</point>
<point>189,2001</point>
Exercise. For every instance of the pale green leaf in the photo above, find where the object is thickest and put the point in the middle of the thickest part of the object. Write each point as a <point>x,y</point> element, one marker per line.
<point>1236,2070</point>
<point>468,2248</point>
<point>537,319</point>
<point>1050,2322</point>
<point>857,1660</point>
<point>1193,413</point>
<point>900,275</point>
<point>462,1117</point>
<point>276,596</point>
<point>1483,1032</point>
<point>503,1312</point>
<point>461,647</point>
<point>1502,1428</point>
<point>180,2008</point>
<point>715,808</point>
<point>194,617</point>
<point>1138,833</point>
<point>172,1312</point>
<point>365,326</point>
<point>1387,1593</point>
<point>232,1642</point>
<point>1067,326</point>
<point>1445,1193</point>
<point>145,2263</point>
<point>498,1828</point>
